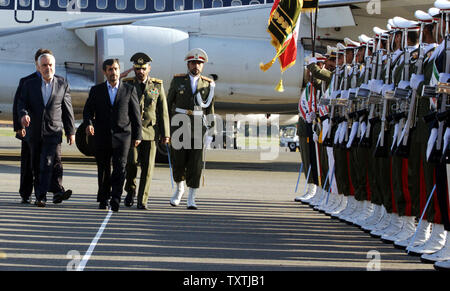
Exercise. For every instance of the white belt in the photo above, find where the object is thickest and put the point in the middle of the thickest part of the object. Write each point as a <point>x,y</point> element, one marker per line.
<point>189,112</point>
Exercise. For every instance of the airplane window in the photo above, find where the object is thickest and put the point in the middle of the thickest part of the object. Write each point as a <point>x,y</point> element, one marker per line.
<point>160,5</point>
<point>63,3</point>
<point>217,3</point>
<point>140,4</point>
<point>197,4</point>
<point>4,2</point>
<point>236,3</point>
<point>254,2</point>
<point>178,4</point>
<point>83,3</point>
<point>102,4</point>
<point>24,3</point>
<point>44,3</point>
<point>121,4</point>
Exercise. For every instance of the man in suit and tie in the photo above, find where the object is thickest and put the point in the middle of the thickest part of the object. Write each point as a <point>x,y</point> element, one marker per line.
<point>26,170</point>
<point>45,106</point>
<point>113,117</point>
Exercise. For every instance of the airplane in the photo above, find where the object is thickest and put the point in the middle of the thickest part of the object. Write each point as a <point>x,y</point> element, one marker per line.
<point>234,36</point>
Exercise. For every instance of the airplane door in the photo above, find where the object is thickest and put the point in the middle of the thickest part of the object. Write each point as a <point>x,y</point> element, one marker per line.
<point>24,11</point>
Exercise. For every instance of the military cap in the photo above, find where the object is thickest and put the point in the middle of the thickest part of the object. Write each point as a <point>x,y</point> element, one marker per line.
<point>331,52</point>
<point>443,5</point>
<point>350,44</point>
<point>196,54</point>
<point>424,17</point>
<point>403,23</point>
<point>140,59</point>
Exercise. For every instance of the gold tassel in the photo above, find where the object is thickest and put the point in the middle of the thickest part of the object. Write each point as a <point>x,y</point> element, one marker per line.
<point>265,67</point>
<point>279,87</point>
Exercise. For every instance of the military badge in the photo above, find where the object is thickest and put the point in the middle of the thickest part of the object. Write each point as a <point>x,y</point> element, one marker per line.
<point>154,92</point>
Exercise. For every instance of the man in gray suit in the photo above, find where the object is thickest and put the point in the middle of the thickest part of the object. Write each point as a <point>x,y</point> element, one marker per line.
<point>45,106</point>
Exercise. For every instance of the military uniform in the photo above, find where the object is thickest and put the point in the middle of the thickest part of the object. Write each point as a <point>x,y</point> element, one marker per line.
<point>188,139</point>
<point>155,123</point>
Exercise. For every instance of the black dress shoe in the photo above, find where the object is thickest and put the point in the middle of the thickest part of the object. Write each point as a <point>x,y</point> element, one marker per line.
<point>26,200</point>
<point>40,203</point>
<point>114,205</point>
<point>103,205</point>
<point>141,206</point>
<point>129,200</point>
<point>61,196</point>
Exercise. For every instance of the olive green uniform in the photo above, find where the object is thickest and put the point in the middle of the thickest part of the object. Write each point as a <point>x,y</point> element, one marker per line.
<point>188,161</point>
<point>155,123</point>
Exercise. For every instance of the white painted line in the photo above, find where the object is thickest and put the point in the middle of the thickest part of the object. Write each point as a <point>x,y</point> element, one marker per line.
<point>87,256</point>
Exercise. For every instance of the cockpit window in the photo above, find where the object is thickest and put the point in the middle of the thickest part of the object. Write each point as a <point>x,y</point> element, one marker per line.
<point>217,3</point>
<point>160,5</point>
<point>178,4</point>
<point>197,4</point>
<point>44,3</point>
<point>121,4</point>
<point>140,4</point>
<point>82,3</point>
<point>24,3</point>
<point>102,4</point>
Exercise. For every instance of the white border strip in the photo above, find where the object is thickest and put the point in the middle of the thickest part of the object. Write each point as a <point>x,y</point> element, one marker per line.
<point>87,256</point>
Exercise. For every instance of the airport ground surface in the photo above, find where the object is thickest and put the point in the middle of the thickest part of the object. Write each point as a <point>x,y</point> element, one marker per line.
<point>246,221</point>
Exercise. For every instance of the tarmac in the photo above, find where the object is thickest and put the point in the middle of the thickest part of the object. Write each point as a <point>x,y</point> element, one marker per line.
<point>247,221</point>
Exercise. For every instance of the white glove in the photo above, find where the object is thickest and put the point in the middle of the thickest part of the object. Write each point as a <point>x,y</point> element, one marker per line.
<point>208,141</point>
<point>315,137</point>
<point>387,87</point>
<point>376,86</point>
<point>404,84</point>
<point>431,141</point>
<point>416,80</point>
<point>325,128</point>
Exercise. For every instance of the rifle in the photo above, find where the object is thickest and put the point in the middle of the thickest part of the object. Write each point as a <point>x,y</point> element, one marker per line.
<point>403,148</point>
<point>381,148</point>
<point>378,60</point>
<point>402,95</point>
<point>328,141</point>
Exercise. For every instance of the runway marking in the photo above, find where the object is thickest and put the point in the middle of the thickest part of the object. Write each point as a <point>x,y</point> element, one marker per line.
<point>87,256</point>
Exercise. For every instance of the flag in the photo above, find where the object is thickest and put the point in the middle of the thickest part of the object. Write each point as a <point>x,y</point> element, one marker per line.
<point>283,28</point>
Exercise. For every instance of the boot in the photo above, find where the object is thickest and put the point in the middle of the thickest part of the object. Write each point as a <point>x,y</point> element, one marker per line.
<point>407,231</point>
<point>176,198</point>
<point>393,229</point>
<point>422,235</point>
<point>433,244</point>
<point>439,256</point>
<point>191,198</point>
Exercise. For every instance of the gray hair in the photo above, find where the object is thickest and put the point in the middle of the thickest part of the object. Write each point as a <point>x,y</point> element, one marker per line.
<point>50,56</point>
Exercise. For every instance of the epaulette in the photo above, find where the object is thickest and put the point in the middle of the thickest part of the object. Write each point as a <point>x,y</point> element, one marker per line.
<point>207,79</point>
<point>156,80</point>
<point>129,79</point>
<point>180,75</point>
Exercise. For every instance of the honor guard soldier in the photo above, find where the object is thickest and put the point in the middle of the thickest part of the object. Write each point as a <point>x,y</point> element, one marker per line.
<point>191,104</point>
<point>155,124</point>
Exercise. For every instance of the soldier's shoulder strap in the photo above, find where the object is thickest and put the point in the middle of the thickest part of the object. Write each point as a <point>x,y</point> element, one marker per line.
<point>128,80</point>
<point>180,75</point>
<point>155,80</point>
<point>207,79</point>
